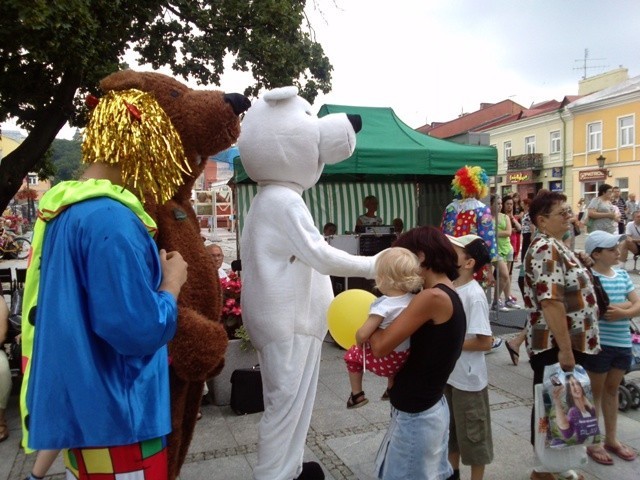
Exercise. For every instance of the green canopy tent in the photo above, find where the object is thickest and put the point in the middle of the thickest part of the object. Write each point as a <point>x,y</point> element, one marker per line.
<point>410,173</point>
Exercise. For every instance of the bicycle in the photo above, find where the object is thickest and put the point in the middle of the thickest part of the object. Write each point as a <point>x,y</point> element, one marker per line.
<point>14,248</point>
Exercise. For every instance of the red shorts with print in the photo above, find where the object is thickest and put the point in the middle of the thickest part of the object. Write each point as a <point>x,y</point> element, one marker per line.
<point>146,460</point>
<point>386,366</point>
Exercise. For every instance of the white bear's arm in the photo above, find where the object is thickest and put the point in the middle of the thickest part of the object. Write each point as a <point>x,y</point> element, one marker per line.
<point>310,247</point>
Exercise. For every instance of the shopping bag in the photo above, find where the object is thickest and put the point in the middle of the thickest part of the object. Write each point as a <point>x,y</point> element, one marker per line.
<point>569,407</point>
<point>553,459</point>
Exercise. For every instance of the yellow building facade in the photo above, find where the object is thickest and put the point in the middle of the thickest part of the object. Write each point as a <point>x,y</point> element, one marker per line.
<point>534,153</point>
<point>605,126</point>
<point>7,145</point>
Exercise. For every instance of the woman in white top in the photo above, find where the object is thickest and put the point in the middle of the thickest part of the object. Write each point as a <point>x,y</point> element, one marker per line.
<point>603,215</point>
<point>369,218</point>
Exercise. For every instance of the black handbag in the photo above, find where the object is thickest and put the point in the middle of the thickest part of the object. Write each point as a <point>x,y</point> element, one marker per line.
<point>246,391</point>
<point>601,295</point>
<point>602,299</point>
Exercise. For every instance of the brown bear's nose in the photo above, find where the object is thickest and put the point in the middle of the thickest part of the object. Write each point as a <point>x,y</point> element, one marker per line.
<point>238,102</point>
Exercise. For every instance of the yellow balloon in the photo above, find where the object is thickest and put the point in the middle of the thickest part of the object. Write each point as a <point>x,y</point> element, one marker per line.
<point>347,313</point>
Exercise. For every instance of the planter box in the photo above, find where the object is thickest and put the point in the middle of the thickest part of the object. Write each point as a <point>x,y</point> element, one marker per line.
<point>235,358</point>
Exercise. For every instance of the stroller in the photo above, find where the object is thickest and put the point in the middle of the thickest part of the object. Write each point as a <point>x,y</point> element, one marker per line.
<point>629,391</point>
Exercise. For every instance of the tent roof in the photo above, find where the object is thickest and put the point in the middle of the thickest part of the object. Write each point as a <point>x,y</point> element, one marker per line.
<point>387,146</point>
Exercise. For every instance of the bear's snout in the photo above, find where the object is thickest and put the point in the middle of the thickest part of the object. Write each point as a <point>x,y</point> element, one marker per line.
<point>356,121</point>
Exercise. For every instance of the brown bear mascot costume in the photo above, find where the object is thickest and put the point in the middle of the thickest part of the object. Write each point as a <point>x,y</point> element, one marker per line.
<point>207,122</point>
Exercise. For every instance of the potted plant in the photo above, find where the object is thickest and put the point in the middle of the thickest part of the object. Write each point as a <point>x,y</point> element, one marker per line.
<point>231,310</point>
<point>240,352</point>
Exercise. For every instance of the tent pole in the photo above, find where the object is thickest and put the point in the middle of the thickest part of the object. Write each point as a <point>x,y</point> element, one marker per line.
<point>495,229</point>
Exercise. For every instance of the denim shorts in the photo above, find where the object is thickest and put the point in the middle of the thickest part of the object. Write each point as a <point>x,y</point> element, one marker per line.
<point>608,358</point>
<point>415,445</point>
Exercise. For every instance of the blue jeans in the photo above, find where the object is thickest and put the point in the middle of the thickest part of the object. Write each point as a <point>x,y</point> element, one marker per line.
<point>415,445</point>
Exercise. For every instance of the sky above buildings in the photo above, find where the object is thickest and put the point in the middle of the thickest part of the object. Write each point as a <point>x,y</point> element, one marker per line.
<point>431,60</point>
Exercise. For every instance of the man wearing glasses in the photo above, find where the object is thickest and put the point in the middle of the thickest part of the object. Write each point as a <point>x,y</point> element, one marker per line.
<point>218,257</point>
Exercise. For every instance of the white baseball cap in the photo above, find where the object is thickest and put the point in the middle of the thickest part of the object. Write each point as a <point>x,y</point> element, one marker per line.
<point>601,239</point>
<point>464,240</point>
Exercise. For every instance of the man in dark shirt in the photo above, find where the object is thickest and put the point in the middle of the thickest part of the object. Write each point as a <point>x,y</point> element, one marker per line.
<point>619,202</point>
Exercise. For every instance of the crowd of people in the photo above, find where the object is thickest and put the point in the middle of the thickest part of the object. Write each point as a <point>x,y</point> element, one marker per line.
<point>564,325</point>
<point>438,387</point>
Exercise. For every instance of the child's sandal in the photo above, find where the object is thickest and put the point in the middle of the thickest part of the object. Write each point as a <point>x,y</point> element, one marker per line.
<point>357,400</point>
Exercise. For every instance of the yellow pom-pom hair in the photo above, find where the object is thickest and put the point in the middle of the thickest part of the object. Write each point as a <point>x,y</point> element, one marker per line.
<point>470,182</point>
<point>130,129</point>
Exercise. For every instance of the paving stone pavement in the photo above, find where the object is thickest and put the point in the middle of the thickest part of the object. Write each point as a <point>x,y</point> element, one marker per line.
<point>344,441</point>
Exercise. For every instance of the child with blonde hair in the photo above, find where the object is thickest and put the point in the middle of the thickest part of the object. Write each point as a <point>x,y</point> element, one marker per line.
<point>397,277</point>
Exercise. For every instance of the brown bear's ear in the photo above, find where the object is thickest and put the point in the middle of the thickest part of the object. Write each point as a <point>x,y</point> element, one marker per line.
<point>122,80</point>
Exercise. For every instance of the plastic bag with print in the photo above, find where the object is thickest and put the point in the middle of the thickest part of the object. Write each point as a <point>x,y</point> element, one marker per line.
<point>553,459</point>
<point>569,407</point>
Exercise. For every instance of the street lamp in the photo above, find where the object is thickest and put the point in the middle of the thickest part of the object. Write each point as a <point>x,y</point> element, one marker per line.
<point>601,161</point>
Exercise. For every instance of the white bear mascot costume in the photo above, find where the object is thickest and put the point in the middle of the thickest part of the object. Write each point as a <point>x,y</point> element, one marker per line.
<point>285,266</point>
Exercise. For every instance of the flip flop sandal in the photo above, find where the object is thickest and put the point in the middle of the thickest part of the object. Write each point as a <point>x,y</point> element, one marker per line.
<point>515,356</point>
<point>357,400</point>
<point>5,432</point>
<point>599,455</point>
<point>623,451</point>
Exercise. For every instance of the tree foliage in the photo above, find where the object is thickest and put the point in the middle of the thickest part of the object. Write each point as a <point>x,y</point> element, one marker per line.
<point>53,53</point>
<point>66,159</point>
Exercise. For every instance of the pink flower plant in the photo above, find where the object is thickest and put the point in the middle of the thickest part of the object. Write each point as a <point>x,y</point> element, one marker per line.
<point>231,310</point>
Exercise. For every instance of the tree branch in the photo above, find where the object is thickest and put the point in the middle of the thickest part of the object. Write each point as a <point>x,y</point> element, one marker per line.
<point>20,162</point>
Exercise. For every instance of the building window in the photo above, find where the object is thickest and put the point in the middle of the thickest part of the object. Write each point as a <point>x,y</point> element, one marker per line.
<point>594,134</point>
<point>32,179</point>
<point>530,144</point>
<point>507,151</point>
<point>590,190</point>
<point>555,141</point>
<point>623,185</point>
<point>626,135</point>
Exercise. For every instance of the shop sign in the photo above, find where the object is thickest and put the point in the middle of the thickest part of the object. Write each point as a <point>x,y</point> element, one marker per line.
<point>591,175</point>
<point>555,186</point>
<point>523,176</point>
<point>556,172</point>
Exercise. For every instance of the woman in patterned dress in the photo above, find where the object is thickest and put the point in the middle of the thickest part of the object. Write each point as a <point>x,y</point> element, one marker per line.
<point>563,322</point>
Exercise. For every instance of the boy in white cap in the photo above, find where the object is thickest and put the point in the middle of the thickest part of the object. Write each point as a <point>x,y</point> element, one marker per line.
<point>607,368</point>
<point>467,388</point>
